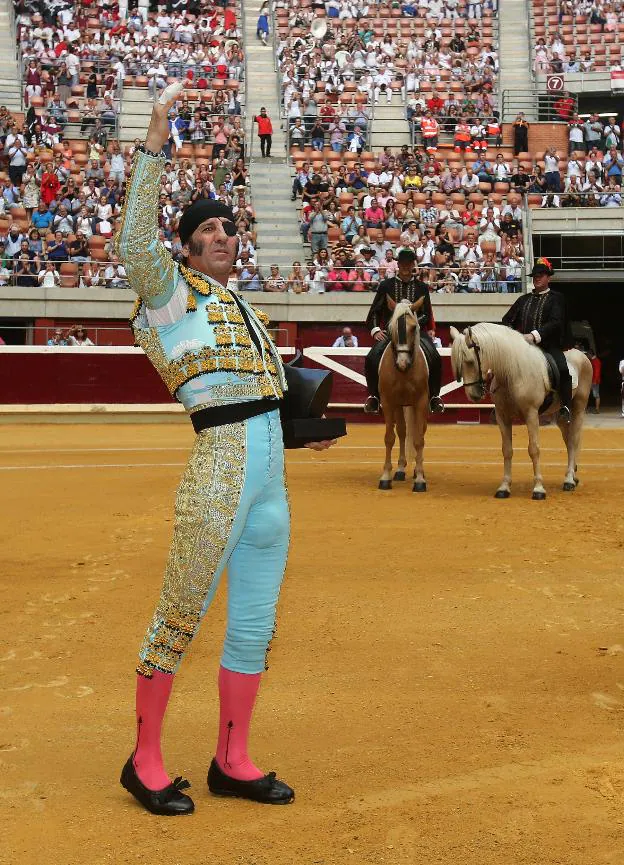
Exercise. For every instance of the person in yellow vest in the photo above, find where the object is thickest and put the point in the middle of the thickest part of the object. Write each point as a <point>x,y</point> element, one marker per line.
<point>430,132</point>
<point>494,131</point>
<point>461,140</point>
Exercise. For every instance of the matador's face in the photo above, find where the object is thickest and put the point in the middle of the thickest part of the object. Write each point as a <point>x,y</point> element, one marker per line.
<point>213,247</point>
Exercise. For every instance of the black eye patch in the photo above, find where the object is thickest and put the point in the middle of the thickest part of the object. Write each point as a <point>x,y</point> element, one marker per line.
<point>229,228</point>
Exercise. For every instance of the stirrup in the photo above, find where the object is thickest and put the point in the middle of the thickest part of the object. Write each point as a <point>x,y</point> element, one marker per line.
<point>565,414</point>
<point>436,406</point>
<point>371,406</point>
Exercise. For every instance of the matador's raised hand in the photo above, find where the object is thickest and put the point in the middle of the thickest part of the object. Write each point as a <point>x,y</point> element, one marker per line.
<point>158,131</point>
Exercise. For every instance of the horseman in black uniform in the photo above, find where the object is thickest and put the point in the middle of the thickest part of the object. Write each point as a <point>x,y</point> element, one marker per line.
<point>404,286</point>
<point>541,317</point>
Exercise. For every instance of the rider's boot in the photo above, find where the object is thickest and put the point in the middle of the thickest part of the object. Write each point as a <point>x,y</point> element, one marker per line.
<point>436,406</point>
<point>371,406</point>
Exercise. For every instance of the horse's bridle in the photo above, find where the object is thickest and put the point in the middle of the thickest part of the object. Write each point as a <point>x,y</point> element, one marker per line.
<point>478,382</point>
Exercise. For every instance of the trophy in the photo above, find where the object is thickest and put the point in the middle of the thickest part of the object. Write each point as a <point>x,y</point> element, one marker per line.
<point>303,406</point>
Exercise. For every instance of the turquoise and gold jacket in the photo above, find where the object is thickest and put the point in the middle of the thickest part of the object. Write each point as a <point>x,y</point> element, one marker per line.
<point>207,357</point>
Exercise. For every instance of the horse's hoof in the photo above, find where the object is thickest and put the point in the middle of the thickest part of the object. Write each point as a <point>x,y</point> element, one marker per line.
<point>385,485</point>
<point>576,482</point>
<point>569,487</point>
<point>502,494</point>
<point>419,487</point>
<point>399,476</point>
<point>538,497</point>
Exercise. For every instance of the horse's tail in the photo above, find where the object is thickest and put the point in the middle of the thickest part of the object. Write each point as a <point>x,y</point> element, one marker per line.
<point>410,452</point>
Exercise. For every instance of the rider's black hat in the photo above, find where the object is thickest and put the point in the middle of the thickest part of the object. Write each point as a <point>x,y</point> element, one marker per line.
<point>542,265</point>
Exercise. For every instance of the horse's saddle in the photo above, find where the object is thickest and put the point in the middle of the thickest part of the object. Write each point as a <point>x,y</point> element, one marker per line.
<point>554,377</point>
<point>553,372</point>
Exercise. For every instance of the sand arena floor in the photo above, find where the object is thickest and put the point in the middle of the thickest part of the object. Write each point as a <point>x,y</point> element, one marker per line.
<point>446,685</point>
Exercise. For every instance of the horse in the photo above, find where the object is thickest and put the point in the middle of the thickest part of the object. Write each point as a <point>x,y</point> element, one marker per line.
<point>494,356</point>
<point>404,393</point>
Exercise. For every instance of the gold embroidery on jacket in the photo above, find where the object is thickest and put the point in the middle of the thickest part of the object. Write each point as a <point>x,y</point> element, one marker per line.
<point>149,264</point>
<point>205,286</point>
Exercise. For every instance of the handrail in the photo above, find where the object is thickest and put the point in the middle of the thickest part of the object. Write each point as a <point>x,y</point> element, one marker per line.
<point>243,23</point>
<point>173,69</point>
<point>527,235</point>
<point>529,99</point>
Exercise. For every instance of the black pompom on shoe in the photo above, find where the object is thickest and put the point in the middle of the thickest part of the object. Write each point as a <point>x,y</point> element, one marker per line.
<point>269,790</point>
<point>169,801</point>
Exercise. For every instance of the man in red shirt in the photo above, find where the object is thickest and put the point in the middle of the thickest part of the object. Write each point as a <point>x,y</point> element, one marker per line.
<point>265,131</point>
<point>434,103</point>
<point>596,378</point>
<point>564,107</point>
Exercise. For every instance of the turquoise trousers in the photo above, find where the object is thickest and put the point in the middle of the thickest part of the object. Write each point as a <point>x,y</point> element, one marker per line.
<point>231,511</point>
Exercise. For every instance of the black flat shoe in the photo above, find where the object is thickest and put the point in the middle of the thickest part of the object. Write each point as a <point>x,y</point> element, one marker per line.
<point>268,790</point>
<point>169,801</point>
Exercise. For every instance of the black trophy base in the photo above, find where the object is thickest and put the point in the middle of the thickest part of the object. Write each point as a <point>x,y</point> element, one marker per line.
<point>300,432</point>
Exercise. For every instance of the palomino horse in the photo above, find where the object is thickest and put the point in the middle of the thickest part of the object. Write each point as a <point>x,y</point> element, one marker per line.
<point>404,393</point>
<point>517,375</point>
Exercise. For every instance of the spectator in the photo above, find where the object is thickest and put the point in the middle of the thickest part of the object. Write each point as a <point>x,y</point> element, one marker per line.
<point>318,227</point>
<point>249,278</point>
<point>57,248</point>
<point>596,379</point>
<point>49,277</point>
<point>593,131</point>
<point>551,170</point>
<point>17,153</point>
<point>78,248</point>
<point>296,279</point>
<point>115,274</point>
<point>42,217</point>
<point>13,242</point>
<point>521,134</point>
<point>576,134</point>
<point>78,336</point>
<point>25,271</point>
<point>275,282</point>
<point>314,281</point>
<point>265,132</point>
<point>346,340</point>
<point>57,338</point>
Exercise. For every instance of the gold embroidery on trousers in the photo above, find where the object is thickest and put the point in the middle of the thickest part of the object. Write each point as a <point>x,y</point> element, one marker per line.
<point>205,509</point>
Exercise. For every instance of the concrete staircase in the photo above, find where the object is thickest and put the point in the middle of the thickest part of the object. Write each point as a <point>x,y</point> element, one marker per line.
<point>515,60</point>
<point>10,75</point>
<point>279,240</point>
<point>136,110</point>
<point>389,127</point>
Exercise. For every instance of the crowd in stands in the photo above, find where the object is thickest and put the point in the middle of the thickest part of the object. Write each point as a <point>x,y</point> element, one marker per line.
<point>466,236</point>
<point>78,57</point>
<point>62,186</point>
<point>442,63</point>
<point>589,175</point>
<point>572,36</point>
<point>58,209</point>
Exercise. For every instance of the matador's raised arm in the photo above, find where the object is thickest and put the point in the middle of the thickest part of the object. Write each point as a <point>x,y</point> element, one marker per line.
<point>152,272</point>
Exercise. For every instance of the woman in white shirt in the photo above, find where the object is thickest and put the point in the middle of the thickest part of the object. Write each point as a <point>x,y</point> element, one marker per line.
<point>78,336</point>
<point>104,209</point>
<point>49,278</point>
<point>83,222</point>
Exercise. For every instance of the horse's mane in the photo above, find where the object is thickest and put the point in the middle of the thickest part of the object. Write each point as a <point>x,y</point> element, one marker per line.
<point>402,308</point>
<point>508,355</point>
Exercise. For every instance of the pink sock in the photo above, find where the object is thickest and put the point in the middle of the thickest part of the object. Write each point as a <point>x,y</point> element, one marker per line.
<point>237,696</point>
<point>152,696</point>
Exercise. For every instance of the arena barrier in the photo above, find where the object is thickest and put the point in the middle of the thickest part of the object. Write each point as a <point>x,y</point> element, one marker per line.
<point>114,379</point>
